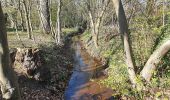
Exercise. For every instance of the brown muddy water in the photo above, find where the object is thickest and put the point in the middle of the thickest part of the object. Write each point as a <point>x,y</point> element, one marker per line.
<point>80,85</point>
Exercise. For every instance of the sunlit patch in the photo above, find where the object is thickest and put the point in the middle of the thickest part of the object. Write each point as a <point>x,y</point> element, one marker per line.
<point>1,50</point>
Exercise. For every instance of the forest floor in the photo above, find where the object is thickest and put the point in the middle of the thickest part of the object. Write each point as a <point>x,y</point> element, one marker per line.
<point>60,65</point>
<point>59,59</point>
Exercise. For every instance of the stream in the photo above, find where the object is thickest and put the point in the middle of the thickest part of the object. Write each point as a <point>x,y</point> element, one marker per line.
<point>80,85</point>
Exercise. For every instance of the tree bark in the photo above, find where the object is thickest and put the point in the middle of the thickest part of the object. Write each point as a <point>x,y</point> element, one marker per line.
<point>27,19</point>
<point>154,60</point>
<point>45,16</point>
<point>92,25</point>
<point>51,22</point>
<point>12,23</point>
<point>21,15</point>
<point>164,12</point>
<point>8,81</point>
<point>29,14</point>
<point>123,28</point>
<point>58,24</point>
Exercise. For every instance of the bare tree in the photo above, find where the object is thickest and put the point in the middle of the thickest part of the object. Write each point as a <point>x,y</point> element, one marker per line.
<point>29,13</point>
<point>21,14</point>
<point>26,11</point>
<point>45,16</point>
<point>8,81</point>
<point>95,21</point>
<point>58,24</point>
<point>51,22</point>
<point>123,28</point>
<point>164,12</point>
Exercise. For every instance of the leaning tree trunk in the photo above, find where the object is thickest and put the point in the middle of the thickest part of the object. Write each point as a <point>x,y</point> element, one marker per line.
<point>45,16</point>
<point>8,81</point>
<point>154,60</point>
<point>123,28</point>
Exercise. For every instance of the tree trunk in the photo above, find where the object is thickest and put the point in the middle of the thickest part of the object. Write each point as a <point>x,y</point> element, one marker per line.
<point>45,16</point>
<point>8,81</point>
<point>27,19</point>
<point>29,14</point>
<point>92,25</point>
<point>96,22</point>
<point>39,13</point>
<point>51,22</point>
<point>164,12</point>
<point>12,23</point>
<point>58,24</point>
<point>21,15</point>
<point>154,60</point>
<point>123,28</point>
<point>22,20</point>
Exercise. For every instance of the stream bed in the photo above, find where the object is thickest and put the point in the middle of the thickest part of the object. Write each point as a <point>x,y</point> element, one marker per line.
<point>80,85</point>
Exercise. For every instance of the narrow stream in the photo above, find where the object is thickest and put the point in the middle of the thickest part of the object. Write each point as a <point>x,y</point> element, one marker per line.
<point>80,87</point>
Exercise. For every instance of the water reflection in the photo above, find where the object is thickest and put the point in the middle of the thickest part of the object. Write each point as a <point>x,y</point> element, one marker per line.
<point>80,87</point>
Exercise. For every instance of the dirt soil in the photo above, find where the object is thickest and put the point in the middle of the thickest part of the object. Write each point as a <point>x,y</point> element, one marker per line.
<point>59,61</point>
